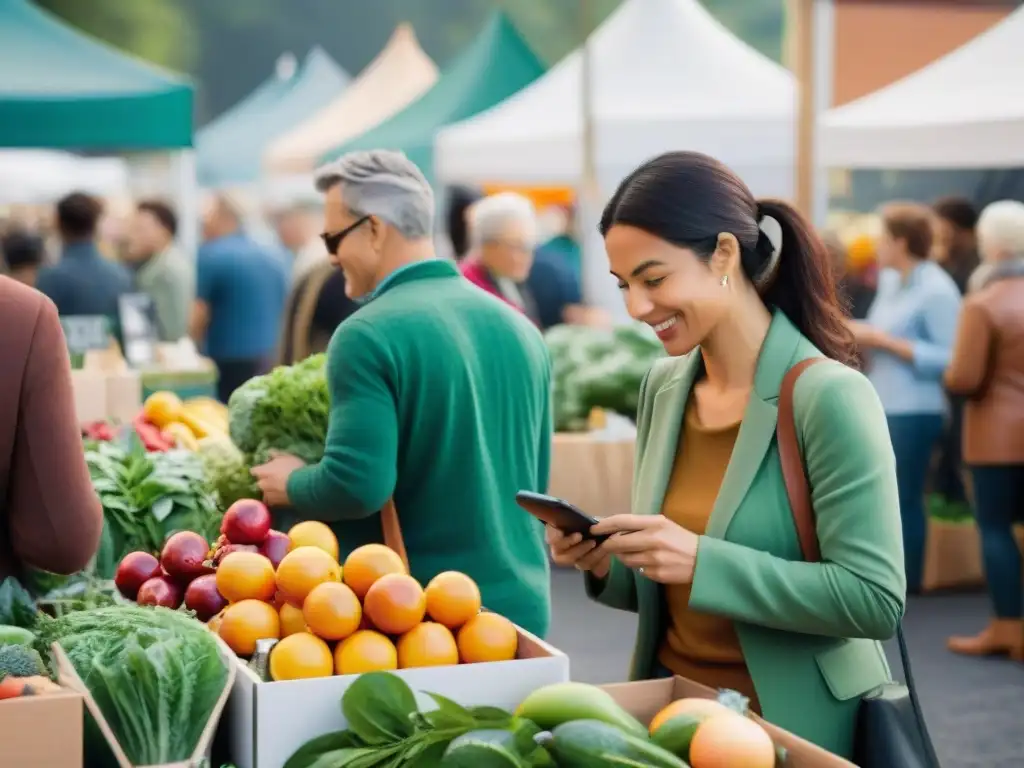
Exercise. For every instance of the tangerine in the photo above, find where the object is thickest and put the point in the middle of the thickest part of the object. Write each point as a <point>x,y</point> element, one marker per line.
<point>245,576</point>
<point>488,637</point>
<point>247,621</point>
<point>452,599</point>
<point>365,651</point>
<point>292,621</point>
<point>427,645</point>
<point>313,533</point>
<point>727,739</point>
<point>302,569</point>
<point>395,603</point>
<point>332,611</point>
<point>301,656</point>
<point>367,563</point>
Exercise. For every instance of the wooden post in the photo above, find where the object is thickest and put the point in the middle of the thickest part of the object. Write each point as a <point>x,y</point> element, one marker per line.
<point>800,58</point>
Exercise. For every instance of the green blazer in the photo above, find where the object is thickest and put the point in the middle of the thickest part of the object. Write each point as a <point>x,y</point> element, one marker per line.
<point>809,632</point>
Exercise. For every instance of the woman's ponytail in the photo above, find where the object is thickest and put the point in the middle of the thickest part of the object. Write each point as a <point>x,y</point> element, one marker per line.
<point>803,284</point>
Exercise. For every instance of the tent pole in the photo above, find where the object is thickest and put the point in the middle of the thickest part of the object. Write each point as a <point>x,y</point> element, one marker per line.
<point>586,205</point>
<point>799,52</point>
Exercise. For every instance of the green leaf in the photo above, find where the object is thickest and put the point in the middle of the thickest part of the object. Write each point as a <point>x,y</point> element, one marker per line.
<point>491,716</point>
<point>17,608</point>
<point>309,752</point>
<point>449,714</point>
<point>483,749</point>
<point>162,508</point>
<point>427,754</point>
<point>378,707</point>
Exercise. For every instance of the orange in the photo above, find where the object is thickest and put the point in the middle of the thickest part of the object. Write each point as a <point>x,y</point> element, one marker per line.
<point>728,739</point>
<point>301,656</point>
<point>365,651</point>
<point>452,599</point>
<point>395,603</point>
<point>161,408</point>
<point>427,645</point>
<point>332,611</point>
<point>313,533</point>
<point>487,637</point>
<point>367,563</point>
<point>292,621</point>
<point>247,621</point>
<point>693,706</point>
<point>301,570</point>
<point>245,576</point>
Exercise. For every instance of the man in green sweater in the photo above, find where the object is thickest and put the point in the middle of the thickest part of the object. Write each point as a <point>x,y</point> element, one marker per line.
<point>440,399</point>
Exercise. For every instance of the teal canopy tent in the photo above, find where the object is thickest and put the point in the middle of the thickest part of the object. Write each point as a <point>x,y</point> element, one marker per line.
<point>62,89</point>
<point>229,148</point>
<point>497,64</point>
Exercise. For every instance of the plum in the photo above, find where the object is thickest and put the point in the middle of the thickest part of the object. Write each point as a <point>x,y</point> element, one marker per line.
<point>247,521</point>
<point>160,590</point>
<point>275,547</point>
<point>184,556</point>
<point>134,570</point>
<point>203,598</point>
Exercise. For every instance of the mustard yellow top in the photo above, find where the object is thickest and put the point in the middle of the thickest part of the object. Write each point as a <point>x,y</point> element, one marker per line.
<point>700,646</point>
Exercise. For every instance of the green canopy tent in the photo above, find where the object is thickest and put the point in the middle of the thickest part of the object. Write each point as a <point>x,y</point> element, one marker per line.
<point>61,89</point>
<point>229,148</point>
<point>497,64</point>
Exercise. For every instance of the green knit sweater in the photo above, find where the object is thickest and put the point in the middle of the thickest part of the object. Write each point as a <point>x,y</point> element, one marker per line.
<point>440,398</point>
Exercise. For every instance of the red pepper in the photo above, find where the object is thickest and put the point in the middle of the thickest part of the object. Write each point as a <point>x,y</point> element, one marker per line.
<point>150,435</point>
<point>98,430</point>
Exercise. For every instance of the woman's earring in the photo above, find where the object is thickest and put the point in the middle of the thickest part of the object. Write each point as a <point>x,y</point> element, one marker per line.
<point>724,281</point>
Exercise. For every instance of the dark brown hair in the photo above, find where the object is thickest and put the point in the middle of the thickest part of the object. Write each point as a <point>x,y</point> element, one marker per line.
<point>77,216</point>
<point>958,211</point>
<point>688,199</point>
<point>163,213</point>
<point>912,223</point>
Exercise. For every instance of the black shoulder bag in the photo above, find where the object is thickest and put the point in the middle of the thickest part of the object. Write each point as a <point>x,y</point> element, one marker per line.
<point>891,732</point>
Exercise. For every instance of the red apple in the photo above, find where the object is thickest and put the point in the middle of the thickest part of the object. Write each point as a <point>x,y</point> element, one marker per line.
<point>184,556</point>
<point>134,570</point>
<point>203,598</point>
<point>247,521</point>
<point>160,590</point>
<point>275,547</point>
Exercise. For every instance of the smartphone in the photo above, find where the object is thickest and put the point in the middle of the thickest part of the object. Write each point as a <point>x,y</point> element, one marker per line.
<point>558,514</point>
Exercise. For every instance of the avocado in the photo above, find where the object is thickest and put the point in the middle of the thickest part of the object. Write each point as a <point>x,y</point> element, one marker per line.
<point>559,703</point>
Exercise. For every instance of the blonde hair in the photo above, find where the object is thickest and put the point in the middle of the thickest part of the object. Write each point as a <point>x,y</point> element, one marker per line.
<point>1000,229</point>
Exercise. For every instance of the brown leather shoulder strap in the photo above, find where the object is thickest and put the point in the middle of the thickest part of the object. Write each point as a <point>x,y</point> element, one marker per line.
<point>393,531</point>
<point>794,473</point>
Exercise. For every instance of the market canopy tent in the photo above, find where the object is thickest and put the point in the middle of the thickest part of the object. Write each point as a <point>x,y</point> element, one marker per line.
<point>45,175</point>
<point>229,149</point>
<point>401,73</point>
<point>665,75</point>
<point>62,89</point>
<point>965,110</point>
<point>496,65</point>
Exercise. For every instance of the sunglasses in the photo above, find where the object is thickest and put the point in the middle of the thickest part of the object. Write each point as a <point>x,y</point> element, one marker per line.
<point>333,239</point>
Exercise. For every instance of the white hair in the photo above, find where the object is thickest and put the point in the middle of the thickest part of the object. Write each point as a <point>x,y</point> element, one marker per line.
<point>489,218</point>
<point>1000,228</point>
<point>384,184</point>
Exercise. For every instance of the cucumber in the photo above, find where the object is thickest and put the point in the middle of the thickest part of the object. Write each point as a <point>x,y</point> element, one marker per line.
<point>16,636</point>
<point>595,744</point>
<point>676,735</point>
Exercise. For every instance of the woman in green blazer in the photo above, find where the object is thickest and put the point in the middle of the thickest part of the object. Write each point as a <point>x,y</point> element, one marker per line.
<point>739,291</point>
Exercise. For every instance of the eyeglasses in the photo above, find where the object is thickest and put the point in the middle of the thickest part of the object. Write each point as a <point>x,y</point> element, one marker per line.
<point>333,239</point>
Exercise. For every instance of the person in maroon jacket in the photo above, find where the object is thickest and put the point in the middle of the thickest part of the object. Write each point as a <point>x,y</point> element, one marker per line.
<point>50,517</point>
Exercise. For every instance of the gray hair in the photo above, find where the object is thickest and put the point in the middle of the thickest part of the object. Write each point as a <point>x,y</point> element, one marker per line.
<point>384,184</point>
<point>1000,228</point>
<point>489,218</point>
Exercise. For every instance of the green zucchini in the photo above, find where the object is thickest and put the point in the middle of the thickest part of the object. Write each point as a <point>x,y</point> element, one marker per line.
<point>594,744</point>
<point>10,635</point>
<point>676,734</point>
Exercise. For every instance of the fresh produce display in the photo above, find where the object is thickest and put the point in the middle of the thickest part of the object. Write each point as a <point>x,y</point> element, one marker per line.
<point>146,497</point>
<point>285,410</point>
<point>227,474</point>
<point>155,674</point>
<point>596,368</point>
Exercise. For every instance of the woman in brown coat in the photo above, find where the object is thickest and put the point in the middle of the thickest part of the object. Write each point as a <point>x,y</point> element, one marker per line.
<point>987,368</point>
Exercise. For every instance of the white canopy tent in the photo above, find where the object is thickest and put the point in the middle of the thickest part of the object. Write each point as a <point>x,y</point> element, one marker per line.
<point>400,74</point>
<point>965,110</point>
<point>39,176</point>
<point>665,75</point>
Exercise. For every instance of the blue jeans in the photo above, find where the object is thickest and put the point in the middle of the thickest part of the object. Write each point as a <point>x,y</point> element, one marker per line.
<point>913,439</point>
<point>998,504</point>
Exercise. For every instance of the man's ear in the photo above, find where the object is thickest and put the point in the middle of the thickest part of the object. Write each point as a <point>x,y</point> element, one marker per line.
<point>726,258</point>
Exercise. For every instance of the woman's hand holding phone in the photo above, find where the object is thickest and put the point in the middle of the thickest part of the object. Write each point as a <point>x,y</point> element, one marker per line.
<point>572,549</point>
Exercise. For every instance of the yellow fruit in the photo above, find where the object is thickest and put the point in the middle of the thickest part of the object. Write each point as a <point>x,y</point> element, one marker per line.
<point>487,637</point>
<point>161,408</point>
<point>301,656</point>
<point>181,436</point>
<point>245,622</point>
<point>427,645</point>
<point>313,533</point>
<point>245,576</point>
<point>452,599</point>
<point>301,570</point>
<point>292,621</point>
<point>395,603</point>
<point>365,651</point>
<point>367,563</point>
<point>332,611</point>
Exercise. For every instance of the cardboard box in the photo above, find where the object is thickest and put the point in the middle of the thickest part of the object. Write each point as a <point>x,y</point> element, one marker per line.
<point>645,699</point>
<point>42,731</point>
<point>106,389</point>
<point>268,722</point>
<point>595,475</point>
<point>200,757</point>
